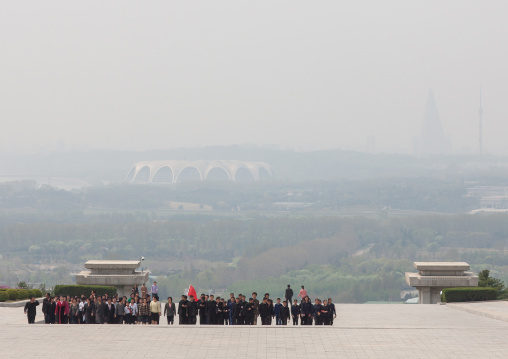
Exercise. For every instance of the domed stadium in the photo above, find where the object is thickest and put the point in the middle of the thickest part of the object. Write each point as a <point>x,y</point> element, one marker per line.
<point>164,172</point>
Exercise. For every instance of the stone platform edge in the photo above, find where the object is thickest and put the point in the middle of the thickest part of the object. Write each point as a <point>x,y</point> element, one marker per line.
<point>484,313</point>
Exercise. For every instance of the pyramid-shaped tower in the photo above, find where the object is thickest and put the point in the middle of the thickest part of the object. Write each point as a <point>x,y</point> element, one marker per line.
<point>432,139</point>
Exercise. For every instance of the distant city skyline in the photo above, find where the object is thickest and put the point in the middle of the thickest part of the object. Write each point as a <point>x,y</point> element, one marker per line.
<point>292,74</point>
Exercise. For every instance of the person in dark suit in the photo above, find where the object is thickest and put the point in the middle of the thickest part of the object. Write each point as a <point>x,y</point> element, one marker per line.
<point>318,317</point>
<point>225,311</point>
<point>289,295</point>
<point>52,310</point>
<point>295,312</point>
<point>182,310</point>
<point>264,311</point>
<point>284,313</point>
<point>45,307</point>
<point>89,311</point>
<point>100,311</point>
<point>169,311</point>
<point>325,314</point>
<point>219,307</point>
<point>306,311</point>
<point>248,311</point>
<point>256,307</point>
<point>110,312</point>
<point>270,308</point>
<point>231,304</point>
<point>202,310</point>
<point>331,310</point>
<point>237,312</point>
<point>210,311</point>
<point>192,311</point>
<point>31,310</point>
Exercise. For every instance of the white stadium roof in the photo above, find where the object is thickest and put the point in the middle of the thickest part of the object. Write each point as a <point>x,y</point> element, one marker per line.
<point>202,170</point>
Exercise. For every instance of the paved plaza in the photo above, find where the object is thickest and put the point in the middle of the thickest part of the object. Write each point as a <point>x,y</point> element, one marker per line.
<point>360,331</point>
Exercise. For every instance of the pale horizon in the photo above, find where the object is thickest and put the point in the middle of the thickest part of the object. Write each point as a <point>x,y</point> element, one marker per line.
<point>291,74</point>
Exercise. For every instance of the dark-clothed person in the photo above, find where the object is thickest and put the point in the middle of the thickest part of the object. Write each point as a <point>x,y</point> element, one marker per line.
<point>45,307</point>
<point>202,310</point>
<point>225,312</point>
<point>333,313</point>
<point>248,311</point>
<point>218,311</point>
<point>100,311</point>
<point>210,311</point>
<point>289,295</point>
<point>284,313</point>
<point>52,311</point>
<point>74,312</point>
<point>182,310</point>
<point>264,311</point>
<point>317,313</point>
<point>237,312</point>
<point>276,312</point>
<point>31,310</point>
<point>295,312</point>
<point>169,311</point>
<point>192,311</point>
<point>110,312</point>
<point>306,310</point>
<point>89,311</point>
<point>255,301</point>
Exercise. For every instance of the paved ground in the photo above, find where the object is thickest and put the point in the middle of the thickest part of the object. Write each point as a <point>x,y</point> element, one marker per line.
<point>494,309</point>
<point>361,331</point>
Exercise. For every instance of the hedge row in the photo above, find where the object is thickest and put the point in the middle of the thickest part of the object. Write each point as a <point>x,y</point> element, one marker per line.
<point>19,294</point>
<point>78,290</point>
<point>468,294</point>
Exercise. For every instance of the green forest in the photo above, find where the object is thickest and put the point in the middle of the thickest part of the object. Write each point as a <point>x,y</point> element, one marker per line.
<point>344,224</point>
<point>354,259</point>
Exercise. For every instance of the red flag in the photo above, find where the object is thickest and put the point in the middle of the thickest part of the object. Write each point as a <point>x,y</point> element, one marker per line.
<point>192,292</point>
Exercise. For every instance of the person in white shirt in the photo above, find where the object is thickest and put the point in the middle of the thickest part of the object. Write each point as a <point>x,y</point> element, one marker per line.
<point>82,309</point>
<point>128,314</point>
<point>134,311</point>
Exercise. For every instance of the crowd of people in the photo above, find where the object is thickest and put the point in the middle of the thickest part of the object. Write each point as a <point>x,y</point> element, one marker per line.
<point>143,307</point>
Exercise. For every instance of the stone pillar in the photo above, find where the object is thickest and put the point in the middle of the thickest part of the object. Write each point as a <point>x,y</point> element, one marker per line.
<point>119,274</point>
<point>425,295</point>
<point>434,276</point>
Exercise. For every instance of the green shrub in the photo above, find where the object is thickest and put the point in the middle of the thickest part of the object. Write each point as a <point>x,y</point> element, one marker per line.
<point>468,294</point>
<point>13,294</point>
<point>31,293</point>
<point>3,296</point>
<point>22,294</point>
<point>78,290</point>
<point>3,289</point>
<point>37,293</point>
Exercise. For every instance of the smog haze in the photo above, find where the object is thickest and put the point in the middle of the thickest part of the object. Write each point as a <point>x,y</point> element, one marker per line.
<point>303,75</point>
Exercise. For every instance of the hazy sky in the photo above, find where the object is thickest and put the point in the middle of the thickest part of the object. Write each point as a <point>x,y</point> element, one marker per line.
<point>300,74</point>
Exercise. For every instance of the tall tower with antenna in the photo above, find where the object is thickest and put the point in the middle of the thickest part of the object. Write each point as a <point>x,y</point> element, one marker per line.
<point>480,124</point>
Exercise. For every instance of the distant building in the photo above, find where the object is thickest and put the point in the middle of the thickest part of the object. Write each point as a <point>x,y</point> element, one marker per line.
<point>490,197</point>
<point>164,172</point>
<point>432,140</point>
